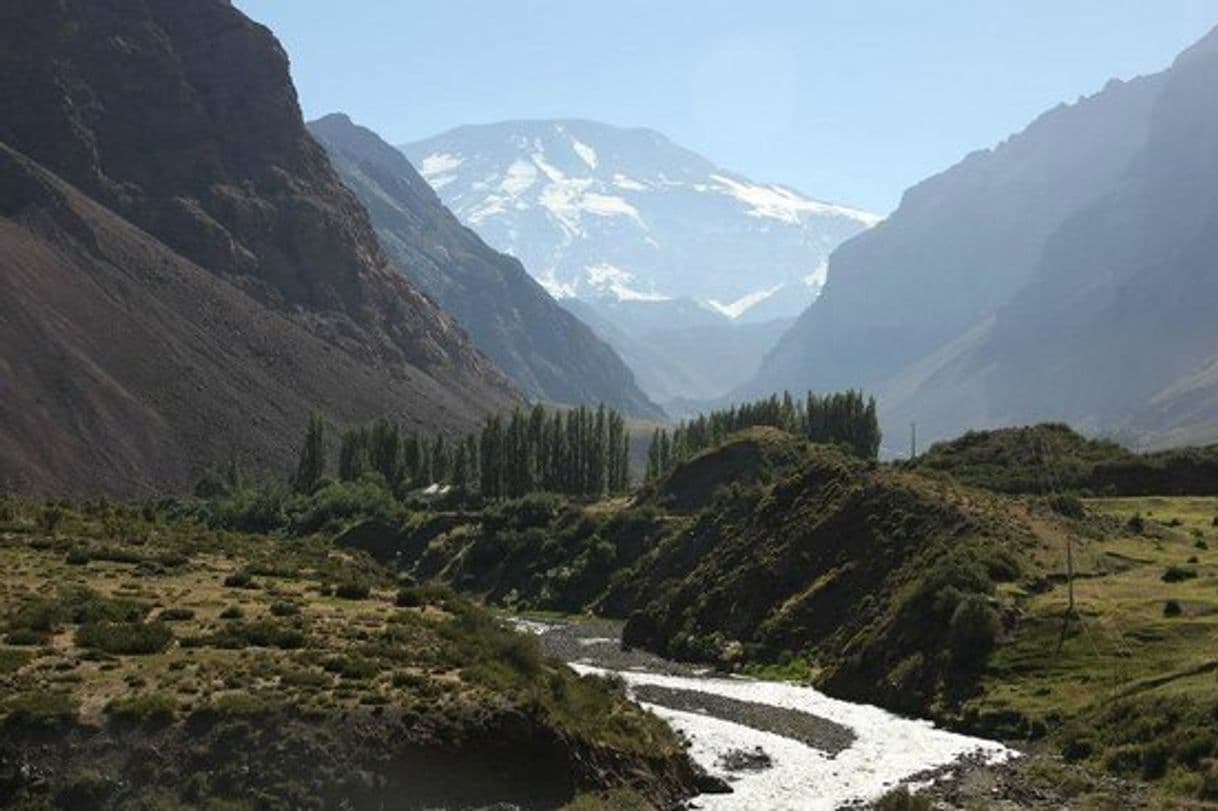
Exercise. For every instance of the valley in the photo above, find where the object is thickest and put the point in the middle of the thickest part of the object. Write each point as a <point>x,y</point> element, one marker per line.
<point>545,464</point>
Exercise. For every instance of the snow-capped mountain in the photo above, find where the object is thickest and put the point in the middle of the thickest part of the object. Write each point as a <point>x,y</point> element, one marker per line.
<point>599,212</point>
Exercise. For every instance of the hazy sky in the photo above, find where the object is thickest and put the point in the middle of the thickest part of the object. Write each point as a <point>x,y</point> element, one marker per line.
<point>848,100</point>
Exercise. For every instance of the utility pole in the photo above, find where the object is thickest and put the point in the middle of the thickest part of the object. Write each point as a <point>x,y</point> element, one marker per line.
<point>913,441</point>
<point>1061,640</point>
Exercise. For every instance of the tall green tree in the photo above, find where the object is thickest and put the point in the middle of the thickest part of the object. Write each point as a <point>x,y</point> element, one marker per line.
<point>312,464</point>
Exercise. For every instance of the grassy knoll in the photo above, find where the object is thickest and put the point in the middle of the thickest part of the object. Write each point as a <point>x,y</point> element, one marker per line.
<point>269,672</point>
<point>1133,690</point>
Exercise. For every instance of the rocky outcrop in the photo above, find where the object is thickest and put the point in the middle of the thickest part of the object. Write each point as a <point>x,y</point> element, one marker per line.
<point>185,278</point>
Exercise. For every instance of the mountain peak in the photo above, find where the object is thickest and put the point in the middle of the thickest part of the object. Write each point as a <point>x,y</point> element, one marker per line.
<point>596,210</point>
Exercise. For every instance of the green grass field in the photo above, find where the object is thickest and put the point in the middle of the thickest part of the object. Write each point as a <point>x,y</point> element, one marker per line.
<point>1133,687</point>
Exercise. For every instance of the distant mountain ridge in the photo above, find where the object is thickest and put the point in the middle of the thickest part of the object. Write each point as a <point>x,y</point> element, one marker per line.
<point>639,228</point>
<point>546,350</point>
<point>1061,276</point>
<point>184,281</point>
<point>595,210</point>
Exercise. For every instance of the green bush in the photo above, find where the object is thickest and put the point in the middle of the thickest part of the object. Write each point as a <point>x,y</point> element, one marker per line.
<point>125,638</point>
<point>50,518</point>
<point>1068,506</point>
<point>150,708</point>
<point>973,632</point>
<point>337,504</point>
<point>27,637</point>
<point>42,709</point>
<point>240,579</point>
<point>285,609</point>
<point>416,596</point>
<point>261,634</point>
<point>261,510</point>
<point>900,799</point>
<point>176,615</point>
<point>353,590</point>
<point>1172,608</point>
<point>13,660</point>
<point>353,667</point>
<point>1176,574</point>
<point>233,612</point>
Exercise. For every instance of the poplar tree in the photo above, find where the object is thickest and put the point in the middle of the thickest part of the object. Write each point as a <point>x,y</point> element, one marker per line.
<point>312,464</point>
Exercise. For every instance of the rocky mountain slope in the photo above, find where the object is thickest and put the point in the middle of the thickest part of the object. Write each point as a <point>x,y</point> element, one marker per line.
<point>544,348</point>
<point>627,222</point>
<point>185,277</point>
<point>1058,276</point>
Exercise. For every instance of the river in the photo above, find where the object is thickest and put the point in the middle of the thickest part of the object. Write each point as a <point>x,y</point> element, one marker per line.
<point>779,745</point>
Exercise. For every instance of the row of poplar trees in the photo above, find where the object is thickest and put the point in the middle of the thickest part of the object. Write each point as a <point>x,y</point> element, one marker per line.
<point>845,418</point>
<point>582,452</point>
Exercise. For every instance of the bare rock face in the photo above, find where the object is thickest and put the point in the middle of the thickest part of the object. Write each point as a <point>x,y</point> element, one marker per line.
<point>181,119</point>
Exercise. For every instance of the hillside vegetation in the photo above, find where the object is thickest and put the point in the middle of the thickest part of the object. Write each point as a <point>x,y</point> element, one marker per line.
<point>770,555</point>
<point>1053,458</point>
<point>147,661</point>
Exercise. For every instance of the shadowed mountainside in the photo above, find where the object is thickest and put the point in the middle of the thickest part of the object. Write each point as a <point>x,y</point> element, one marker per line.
<point>185,276</point>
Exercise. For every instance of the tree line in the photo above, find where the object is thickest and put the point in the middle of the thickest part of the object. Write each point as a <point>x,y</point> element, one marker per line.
<point>581,452</point>
<point>845,418</point>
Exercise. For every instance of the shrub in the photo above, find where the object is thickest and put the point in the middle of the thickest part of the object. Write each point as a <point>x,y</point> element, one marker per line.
<point>1069,506</point>
<point>1175,574</point>
<point>416,596</point>
<point>1208,790</point>
<point>1136,523</point>
<point>900,799</point>
<point>1172,608</point>
<point>352,667</point>
<point>125,638</point>
<point>86,789</point>
<point>249,510</point>
<point>973,631</point>
<point>27,637</point>
<point>353,590</point>
<point>285,609</point>
<point>339,503</point>
<point>150,708</point>
<point>176,615</point>
<point>42,709</point>
<point>233,612</point>
<point>1154,761</point>
<point>50,518</point>
<point>1076,749</point>
<point>13,660</point>
<point>240,579</point>
<point>77,557</point>
<point>1201,544</point>
<point>262,634</point>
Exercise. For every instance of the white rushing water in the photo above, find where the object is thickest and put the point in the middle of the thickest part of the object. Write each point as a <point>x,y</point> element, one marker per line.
<point>887,751</point>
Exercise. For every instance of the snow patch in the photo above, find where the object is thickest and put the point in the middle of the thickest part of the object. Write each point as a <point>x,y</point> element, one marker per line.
<point>438,164</point>
<point>606,205</point>
<point>817,278</point>
<point>737,308</point>
<point>626,183</point>
<point>586,153</point>
<point>615,280</point>
<point>518,178</point>
<point>784,205</point>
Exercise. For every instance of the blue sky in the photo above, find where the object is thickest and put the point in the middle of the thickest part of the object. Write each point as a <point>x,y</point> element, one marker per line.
<point>848,100</point>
